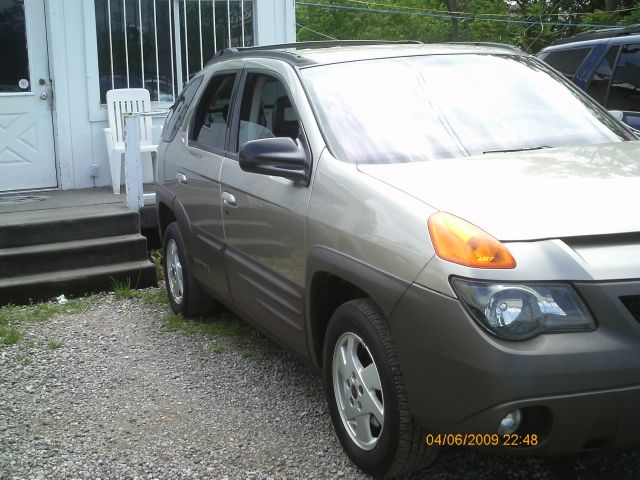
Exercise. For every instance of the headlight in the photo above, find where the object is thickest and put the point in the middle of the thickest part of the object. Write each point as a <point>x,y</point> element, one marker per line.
<point>519,312</point>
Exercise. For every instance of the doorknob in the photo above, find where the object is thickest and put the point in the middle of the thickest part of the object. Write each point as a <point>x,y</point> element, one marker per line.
<point>43,96</point>
<point>229,200</point>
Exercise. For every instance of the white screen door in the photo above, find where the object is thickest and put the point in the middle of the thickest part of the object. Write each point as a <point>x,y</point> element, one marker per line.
<point>27,157</point>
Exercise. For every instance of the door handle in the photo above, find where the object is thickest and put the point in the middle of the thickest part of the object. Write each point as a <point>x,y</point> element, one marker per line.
<point>181,177</point>
<point>229,200</point>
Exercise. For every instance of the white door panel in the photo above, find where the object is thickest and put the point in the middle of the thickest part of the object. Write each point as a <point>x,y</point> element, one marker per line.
<point>27,156</point>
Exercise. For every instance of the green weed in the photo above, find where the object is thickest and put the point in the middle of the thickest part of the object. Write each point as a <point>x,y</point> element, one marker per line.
<point>156,258</point>
<point>54,345</point>
<point>122,288</point>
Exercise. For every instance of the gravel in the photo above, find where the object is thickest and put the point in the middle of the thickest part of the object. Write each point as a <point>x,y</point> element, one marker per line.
<point>124,398</point>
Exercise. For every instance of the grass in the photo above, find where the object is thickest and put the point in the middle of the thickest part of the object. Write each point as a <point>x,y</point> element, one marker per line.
<point>122,288</point>
<point>225,327</point>
<point>54,345</point>
<point>11,316</point>
<point>152,297</point>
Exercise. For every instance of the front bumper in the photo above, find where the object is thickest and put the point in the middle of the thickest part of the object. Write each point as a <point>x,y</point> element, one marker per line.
<point>577,391</point>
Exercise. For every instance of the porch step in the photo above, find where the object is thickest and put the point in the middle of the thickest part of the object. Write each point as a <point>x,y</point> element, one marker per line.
<point>75,282</point>
<point>51,257</point>
<point>71,251</point>
<point>34,228</point>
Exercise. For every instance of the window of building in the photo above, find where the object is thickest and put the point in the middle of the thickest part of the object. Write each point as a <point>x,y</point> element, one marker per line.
<point>212,114</point>
<point>160,44</point>
<point>14,73</point>
<point>624,93</point>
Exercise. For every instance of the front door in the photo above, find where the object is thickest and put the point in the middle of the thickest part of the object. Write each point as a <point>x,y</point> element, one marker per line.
<point>27,157</point>
<point>265,219</point>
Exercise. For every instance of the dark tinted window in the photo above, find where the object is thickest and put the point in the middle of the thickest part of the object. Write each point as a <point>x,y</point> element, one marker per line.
<point>14,73</point>
<point>567,61</point>
<point>179,110</point>
<point>213,113</point>
<point>624,93</point>
<point>266,110</point>
<point>600,82</point>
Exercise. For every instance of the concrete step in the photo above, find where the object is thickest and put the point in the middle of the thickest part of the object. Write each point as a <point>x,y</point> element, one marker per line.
<point>50,257</point>
<point>74,282</point>
<point>64,225</point>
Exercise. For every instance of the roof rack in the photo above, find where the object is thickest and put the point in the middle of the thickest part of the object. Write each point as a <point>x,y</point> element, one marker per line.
<point>273,50</point>
<point>489,44</point>
<point>602,33</point>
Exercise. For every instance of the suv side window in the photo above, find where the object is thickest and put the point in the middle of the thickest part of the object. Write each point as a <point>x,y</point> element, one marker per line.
<point>599,84</point>
<point>567,62</point>
<point>179,109</point>
<point>212,117</point>
<point>266,110</point>
<point>624,93</point>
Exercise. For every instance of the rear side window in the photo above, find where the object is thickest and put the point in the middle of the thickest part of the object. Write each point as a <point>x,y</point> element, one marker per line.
<point>179,110</point>
<point>567,62</point>
<point>212,115</point>
<point>624,93</point>
<point>599,84</point>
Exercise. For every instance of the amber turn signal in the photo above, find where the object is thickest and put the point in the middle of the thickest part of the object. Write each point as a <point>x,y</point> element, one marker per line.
<point>461,242</point>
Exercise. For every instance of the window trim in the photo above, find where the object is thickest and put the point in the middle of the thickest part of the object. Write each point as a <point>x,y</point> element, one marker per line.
<point>190,142</point>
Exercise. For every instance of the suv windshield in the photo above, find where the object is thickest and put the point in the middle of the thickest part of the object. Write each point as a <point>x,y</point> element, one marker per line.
<point>446,106</point>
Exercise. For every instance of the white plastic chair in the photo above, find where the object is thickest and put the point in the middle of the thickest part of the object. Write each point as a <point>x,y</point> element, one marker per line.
<point>120,101</point>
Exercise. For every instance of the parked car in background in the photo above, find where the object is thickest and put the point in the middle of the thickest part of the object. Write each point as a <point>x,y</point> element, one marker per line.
<point>604,63</point>
<point>448,232</point>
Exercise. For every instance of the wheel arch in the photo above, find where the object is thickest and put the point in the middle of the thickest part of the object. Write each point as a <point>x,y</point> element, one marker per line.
<point>334,278</point>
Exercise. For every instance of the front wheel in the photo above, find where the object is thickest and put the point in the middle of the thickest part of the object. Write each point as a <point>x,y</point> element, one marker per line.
<point>366,394</point>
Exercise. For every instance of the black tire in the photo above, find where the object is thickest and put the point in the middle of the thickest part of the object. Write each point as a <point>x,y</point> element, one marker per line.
<point>400,446</point>
<point>193,301</point>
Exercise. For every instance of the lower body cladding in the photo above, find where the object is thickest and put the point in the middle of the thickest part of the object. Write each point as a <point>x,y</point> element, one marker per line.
<point>574,391</point>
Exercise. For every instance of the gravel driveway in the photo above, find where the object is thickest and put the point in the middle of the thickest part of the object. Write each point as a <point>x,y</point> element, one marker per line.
<point>111,393</point>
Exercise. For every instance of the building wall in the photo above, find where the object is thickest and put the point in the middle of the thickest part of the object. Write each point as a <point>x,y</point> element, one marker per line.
<point>79,119</point>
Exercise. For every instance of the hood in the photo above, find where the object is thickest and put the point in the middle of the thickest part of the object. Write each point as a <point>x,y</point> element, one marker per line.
<point>551,193</point>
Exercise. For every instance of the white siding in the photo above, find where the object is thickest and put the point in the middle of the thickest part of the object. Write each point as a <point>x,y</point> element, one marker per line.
<point>79,119</point>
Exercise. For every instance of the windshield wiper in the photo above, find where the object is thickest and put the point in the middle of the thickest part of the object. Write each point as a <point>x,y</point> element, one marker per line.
<point>517,149</point>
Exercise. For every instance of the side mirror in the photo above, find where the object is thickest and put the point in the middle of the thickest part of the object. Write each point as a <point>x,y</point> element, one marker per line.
<point>280,157</point>
<point>617,114</point>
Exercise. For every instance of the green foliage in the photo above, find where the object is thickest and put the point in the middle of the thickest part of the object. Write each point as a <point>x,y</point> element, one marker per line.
<point>529,24</point>
<point>156,258</point>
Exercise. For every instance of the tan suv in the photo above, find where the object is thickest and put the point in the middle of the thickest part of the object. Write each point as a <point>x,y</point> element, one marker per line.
<point>449,232</point>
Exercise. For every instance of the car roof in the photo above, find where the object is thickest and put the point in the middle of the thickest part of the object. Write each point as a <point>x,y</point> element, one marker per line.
<point>595,37</point>
<point>304,54</point>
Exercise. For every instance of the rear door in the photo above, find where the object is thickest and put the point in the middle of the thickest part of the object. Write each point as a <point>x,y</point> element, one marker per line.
<point>264,216</point>
<point>197,154</point>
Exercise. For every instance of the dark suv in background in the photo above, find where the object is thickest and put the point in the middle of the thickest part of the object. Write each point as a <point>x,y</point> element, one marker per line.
<point>604,63</point>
